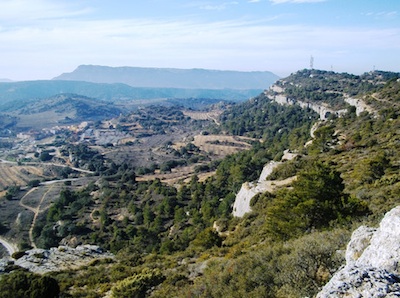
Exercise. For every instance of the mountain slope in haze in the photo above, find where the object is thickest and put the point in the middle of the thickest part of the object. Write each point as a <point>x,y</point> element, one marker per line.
<point>63,109</point>
<point>172,77</point>
<point>17,93</point>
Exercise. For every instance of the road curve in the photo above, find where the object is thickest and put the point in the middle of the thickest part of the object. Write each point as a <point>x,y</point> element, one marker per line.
<point>11,248</point>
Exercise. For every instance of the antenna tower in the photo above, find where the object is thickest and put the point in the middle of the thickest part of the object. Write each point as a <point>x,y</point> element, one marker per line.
<point>312,62</point>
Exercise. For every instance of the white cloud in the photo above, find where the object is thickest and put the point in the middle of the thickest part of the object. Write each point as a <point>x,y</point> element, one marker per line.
<point>221,6</point>
<point>295,1</point>
<point>382,15</point>
<point>48,46</point>
<point>24,11</point>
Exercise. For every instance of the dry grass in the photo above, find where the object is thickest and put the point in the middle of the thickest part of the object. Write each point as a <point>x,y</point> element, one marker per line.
<point>11,174</point>
<point>198,115</point>
<point>42,120</point>
<point>217,145</point>
<point>221,145</point>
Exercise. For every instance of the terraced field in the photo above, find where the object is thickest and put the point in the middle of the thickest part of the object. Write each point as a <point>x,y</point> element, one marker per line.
<point>199,115</point>
<point>222,145</point>
<point>13,174</point>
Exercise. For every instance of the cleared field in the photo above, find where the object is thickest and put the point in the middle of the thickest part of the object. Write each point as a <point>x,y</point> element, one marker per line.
<point>198,115</point>
<point>222,145</point>
<point>176,176</point>
<point>11,174</point>
<point>42,120</point>
<point>217,145</point>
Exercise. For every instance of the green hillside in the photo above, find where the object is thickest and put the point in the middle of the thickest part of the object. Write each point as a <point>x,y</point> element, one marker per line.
<point>184,241</point>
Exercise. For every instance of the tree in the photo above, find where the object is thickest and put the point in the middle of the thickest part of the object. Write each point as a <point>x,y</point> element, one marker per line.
<point>207,239</point>
<point>45,156</point>
<point>20,284</point>
<point>316,200</point>
<point>34,183</point>
<point>370,169</point>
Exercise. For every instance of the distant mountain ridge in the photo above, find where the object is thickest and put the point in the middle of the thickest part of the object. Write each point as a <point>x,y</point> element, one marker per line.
<point>171,77</point>
<point>16,94</point>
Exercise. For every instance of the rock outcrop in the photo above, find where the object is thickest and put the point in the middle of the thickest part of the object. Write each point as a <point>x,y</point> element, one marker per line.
<point>322,109</point>
<point>360,105</point>
<point>56,258</point>
<point>372,262</point>
<point>277,94</point>
<point>248,190</point>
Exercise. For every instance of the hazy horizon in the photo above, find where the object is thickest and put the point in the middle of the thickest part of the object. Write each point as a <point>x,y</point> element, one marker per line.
<point>42,39</point>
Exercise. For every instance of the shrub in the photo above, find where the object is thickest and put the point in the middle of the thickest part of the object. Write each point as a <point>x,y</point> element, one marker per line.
<point>137,285</point>
<point>20,284</point>
<point>18,254</point>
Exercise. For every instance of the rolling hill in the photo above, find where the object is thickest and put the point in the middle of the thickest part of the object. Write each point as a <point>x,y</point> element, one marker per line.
<point>184,240</point>
<point>62,109</point>
<point>18,93</point>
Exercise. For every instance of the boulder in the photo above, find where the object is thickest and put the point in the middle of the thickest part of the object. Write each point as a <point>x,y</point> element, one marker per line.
<point>372,258</point>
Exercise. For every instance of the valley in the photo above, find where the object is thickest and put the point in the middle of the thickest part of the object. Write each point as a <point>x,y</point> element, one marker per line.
<point>168,143</point>
<point>207,197</point>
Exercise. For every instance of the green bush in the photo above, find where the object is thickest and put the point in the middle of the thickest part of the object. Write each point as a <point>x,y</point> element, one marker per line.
<point>20,284</point>
<point>137,285</point>
<point>316,200</point>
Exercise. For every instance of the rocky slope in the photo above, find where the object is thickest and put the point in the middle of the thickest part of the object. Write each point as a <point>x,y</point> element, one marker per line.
<point>372,262</point>
<point>55,258</point>
<point>326,93</point>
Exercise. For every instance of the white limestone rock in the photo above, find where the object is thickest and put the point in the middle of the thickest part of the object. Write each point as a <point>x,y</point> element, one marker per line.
<point>362,283</point>
<point>372,258</point>
<point>241,206</point>
<point>360,105</point>
<point>384,250</point>
<point>360,240</point>
<point>57,258</point>
<point>267,170</point>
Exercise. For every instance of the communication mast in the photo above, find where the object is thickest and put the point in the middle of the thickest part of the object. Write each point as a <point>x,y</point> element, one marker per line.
<point>312,62</point>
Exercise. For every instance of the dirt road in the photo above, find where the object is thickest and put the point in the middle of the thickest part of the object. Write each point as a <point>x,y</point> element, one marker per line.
<point>11,247</point>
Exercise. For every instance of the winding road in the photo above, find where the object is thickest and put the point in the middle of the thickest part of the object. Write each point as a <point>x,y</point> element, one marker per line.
<point>35,211</point>
<point>10,247</point>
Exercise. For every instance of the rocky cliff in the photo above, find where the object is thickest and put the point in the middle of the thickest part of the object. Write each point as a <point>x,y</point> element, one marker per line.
<point>248,190</point>
<point>277,94</point>
<point>372,262</point>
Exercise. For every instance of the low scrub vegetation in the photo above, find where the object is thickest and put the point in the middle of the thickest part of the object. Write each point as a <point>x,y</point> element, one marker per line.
<point>182,240</point>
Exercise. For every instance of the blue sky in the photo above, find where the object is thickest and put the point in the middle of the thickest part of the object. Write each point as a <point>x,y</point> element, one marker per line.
<point>40,39</point>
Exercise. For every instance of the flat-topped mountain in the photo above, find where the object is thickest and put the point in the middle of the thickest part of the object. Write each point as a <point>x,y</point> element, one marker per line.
<point>171,77</point>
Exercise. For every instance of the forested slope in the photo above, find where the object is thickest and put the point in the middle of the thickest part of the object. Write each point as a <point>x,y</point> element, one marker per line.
<point>184,242</point>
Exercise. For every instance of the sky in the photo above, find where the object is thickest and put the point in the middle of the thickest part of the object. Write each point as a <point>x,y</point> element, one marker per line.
<point>41,39</point>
